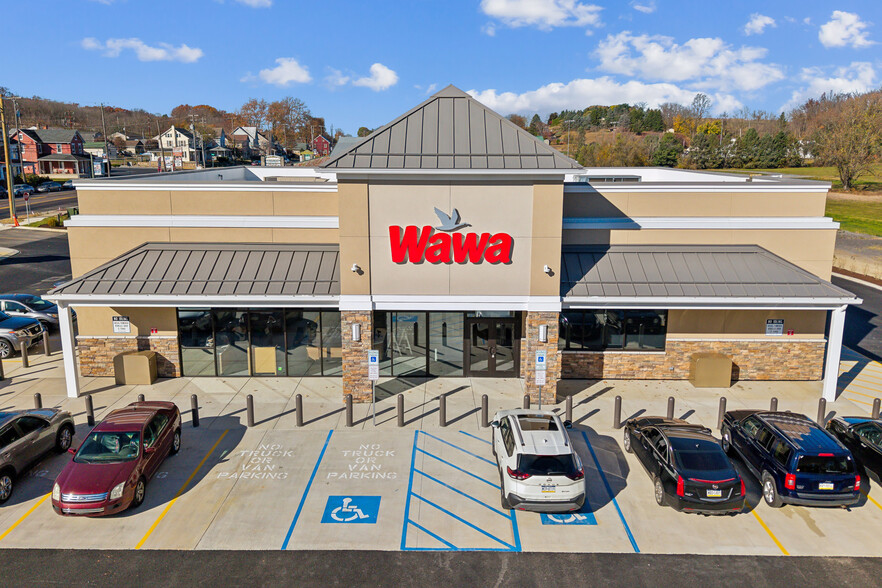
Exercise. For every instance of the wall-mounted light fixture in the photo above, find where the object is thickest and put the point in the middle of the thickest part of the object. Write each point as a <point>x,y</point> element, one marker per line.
<point>543,333</point>
<point>356,331</point>
<point>355,268</point>
<point>547,269</point>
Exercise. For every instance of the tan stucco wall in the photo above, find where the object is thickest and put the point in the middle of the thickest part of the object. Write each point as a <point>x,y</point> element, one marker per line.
<point>354,238</point>
<point>743,324</point>
<point>546,231</point>
<point>97,321</point>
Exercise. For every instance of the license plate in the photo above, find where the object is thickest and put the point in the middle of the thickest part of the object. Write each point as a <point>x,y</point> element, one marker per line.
<point>549,488</point>
<point>825,486</point>
<point>714,493</point>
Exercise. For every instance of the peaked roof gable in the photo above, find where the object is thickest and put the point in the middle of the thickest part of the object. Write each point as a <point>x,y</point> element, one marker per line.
<point>451,130</point>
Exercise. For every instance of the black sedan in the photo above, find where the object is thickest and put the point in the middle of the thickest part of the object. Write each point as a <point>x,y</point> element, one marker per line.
<point>688,468</point>
<point>863,437</point>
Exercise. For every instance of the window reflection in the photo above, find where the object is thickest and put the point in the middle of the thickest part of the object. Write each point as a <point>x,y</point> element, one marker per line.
<point>598,330</point>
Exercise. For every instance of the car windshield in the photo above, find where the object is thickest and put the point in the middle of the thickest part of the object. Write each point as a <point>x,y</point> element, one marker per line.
<point>822,464</point>
<point>37,303</point>
<point>547,465</point>
<point>708,459</point>
<point>109,447</point>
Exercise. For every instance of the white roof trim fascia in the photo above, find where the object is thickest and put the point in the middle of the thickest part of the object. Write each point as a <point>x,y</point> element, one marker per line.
<point>451,303</point>
<point>718,303</point>
<point>685,188</point>
<point>203,221</point>
<point>221,186</point>
<point>218,301</point>
<point>701,222</point>
<point>422,174</point>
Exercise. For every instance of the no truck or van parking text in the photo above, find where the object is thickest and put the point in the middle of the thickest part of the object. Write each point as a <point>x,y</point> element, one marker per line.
<point>259,464</point>
<point>365,463</point>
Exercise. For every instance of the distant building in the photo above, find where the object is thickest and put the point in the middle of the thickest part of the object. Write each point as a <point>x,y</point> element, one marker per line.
<point>52,151</point>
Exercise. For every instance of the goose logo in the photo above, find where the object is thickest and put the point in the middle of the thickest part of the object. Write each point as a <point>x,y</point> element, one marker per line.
<point>422,244</point>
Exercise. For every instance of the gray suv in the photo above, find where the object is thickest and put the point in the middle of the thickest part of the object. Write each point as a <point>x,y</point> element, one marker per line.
<point>32,307</point>
<point>25,437</point>
<point>17,330</point>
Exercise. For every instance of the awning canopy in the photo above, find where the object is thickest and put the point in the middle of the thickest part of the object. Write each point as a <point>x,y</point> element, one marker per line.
<point>216,274</point>
<point>664,276</point>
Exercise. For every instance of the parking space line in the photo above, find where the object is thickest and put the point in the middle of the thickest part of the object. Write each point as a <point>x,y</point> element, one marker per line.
<point>610,492</point>
<point>26,515</point>
<point>409,491</point>
<point>769,531</point>
<point>463,521</point>
<point>179,492</point>
<point>859,386</point>
<point>306,491</point>
<point>475,455</point>
<point>472,498</point>
<point>476,438</point>
<point>444,461</point>
<point>860,401</point>
<point>434,536</point>
<point>867,494</point>
<point>862,394</point>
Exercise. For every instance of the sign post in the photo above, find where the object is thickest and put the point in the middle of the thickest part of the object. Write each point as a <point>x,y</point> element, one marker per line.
<point>541,366</point>
<point>373,376</point>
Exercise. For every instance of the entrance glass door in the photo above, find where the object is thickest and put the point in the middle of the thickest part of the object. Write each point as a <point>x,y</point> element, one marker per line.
<point>267,343</point>
<point>492,347</point>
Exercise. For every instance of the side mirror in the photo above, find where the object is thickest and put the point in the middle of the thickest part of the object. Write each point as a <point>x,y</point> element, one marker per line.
<point>149,450</point>
<point>494,424</point>
<point>71,450</point>
<point>568,424</point>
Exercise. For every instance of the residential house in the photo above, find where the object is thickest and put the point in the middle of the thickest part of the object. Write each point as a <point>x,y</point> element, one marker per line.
<point>177,142</point>
<point>14,160</point>
<point>135,146</point>
<point>52,151</point>
<point>321,145</point>
<point>96,149</point>
<point>252,143</point>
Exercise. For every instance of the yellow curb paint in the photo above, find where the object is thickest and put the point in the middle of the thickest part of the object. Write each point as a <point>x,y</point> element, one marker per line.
<point>870,498</point>
<point>859,401</point>
<point>862,394</point>
<point>26,515</point>
<point>864,387</point>
<point>179,492</point>
<point>769,531</point>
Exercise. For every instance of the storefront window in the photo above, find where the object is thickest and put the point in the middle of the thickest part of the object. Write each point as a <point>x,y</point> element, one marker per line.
<point>304,350</point>
<point>267,343</point>
<point>231,342</point>
<point>418,344</point>
<point>598,330</point>
<point>332,344</point>
<point>445,343</point>
<point>197,342</point>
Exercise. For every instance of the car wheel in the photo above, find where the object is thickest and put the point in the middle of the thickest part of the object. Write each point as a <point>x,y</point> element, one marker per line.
<point>64,438</point>
<point>659,492</point>
<point>5,349</point>
<point>140,493</point>
<point>726,442</point>
<point>176,442</point>
<point>770,491</point>
<point>626,441</point>
<point>6,484</point>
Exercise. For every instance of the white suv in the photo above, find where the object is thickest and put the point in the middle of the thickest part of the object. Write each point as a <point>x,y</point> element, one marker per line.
<point>538,468</point>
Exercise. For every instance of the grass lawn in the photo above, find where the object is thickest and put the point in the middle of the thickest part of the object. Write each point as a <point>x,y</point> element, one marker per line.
<point>856,215</point>
<point>868,182</point>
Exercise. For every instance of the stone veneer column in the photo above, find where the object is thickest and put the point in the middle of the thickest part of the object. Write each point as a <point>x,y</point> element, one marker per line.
<point>531,344</point>
<point>96,353</point>
<point>355,360</point>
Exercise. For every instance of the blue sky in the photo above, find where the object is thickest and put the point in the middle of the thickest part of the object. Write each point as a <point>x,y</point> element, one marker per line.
<point>364,62</point>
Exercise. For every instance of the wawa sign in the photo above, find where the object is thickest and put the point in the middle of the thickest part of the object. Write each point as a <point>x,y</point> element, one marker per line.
<point>418,244</point>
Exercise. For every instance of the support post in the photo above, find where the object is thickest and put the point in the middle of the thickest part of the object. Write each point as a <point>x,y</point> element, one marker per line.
<point>526,401</point>
<point>822,411</point>
<point>38,400</point>
<point>348,400</point>
<point>194,409</point>
<point>2,375</point>
<point>721,413</point>
<point>773,405</point>
<point>140,398</point>
<point>670,407</point>
<point>249,409</point>
<point>617,413</point>
<point>568,416</point>
<point>485,411</point>
<point>876,408</point>
<point>68,351</point>
<point>90,411</point>
<point>298,409</point>
<point>834,350</point>
<point>46,350</point>
<point>442,410</point>
<point>23,348</point>
<point>400,401</point>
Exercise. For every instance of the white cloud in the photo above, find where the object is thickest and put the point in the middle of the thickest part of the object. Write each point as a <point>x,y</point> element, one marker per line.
<point>758,23</point>
<point>336,78</point>
<point>844,28</point>
<point>707,62</point>
<point>381,78</point>
<point>604,90</point>
<point>256,3</point>
<point>644,7</point>
<point>287,70</point>
<point>859,76</point>
<point>542,14</point>
<point>489,29</point>
<point>144,52</point>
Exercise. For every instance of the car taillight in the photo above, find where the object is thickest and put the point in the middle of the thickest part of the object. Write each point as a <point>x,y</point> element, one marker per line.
<point>857,483</point>
<point>743,491</point>
<point>517,474</point>
<point>681,486</point>
<point>825,455</point>
<point>790,481</point>
<point>577,475</point>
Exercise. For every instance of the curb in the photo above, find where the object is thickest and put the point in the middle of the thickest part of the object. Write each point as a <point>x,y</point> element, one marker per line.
<point>7,252</point>
<point>42,229</point>
<point>868,281</point>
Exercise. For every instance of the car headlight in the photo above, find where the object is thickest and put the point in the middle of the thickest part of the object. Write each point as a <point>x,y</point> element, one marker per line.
<point>18,334</point>
<point>52,314</point>
<point>117,491</point>
<point>56,492</point>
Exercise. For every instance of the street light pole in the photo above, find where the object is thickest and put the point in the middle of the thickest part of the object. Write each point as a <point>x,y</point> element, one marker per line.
<point>104,132</point>
<point>11,194</point>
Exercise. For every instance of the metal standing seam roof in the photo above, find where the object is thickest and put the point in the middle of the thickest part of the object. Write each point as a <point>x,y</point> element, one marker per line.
<point>451,130</point>
<point>699,271</point>
<point>214,269</point>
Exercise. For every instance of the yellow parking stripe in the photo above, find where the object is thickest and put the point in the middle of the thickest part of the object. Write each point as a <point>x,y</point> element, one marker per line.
<point>870,498</point>
<point>860,401</point>
<point>864,387</point>
<point>769,531</point>
<point>862,394</point>
<point>26,515</point>
<point>181,491</point>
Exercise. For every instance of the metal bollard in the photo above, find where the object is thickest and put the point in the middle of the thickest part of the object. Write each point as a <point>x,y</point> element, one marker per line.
<point>46,351</point>
<point>194,409</point>
<point>249,409</point>
<point>140,398</point>
<point>24,354</point>
<point>298,408</point>
<point>90,412</point>
<point>569,409</point>
<point>876,408</point>
<point>773,406</point>
<point>721,413</point>
<point>526,401</point>
<point>400,401</point>
<point>822,411</point>
<point>442,410</point>
<point>485,411</point>
<point>670,407</point>
<point>2,375</point>
<point>617,413</point>
<point>348,400</point>
<point>38,400</point>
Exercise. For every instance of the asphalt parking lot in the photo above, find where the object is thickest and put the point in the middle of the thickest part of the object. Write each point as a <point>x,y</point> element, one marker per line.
<point>419,488</point>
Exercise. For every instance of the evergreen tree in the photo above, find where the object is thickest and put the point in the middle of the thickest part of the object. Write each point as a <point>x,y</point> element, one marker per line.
<point>667,152</point>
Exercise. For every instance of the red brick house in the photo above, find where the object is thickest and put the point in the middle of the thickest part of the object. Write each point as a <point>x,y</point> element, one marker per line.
<point>321,145</point>
<point>52,151</point>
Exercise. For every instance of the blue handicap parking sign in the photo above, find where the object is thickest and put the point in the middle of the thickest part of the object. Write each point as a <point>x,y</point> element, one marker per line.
<point>352,509</point>
<point>569,518</point>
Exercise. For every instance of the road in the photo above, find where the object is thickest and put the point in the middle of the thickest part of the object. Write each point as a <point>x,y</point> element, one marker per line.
<point>863,324</point>
<point>50,201</point>
<point>44,259</point>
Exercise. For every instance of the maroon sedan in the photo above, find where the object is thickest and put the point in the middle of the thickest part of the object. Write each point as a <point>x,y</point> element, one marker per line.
<point>109,471</point>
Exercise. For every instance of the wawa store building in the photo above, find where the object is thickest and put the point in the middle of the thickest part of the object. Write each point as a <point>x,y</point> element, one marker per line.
<point>455,245</point>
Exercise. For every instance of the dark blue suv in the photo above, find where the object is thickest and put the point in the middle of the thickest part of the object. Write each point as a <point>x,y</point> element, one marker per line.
<point>797,461</point>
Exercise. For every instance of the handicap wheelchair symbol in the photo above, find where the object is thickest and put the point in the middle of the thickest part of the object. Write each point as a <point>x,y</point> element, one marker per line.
<point>351,509</point>
<point>574,518</point>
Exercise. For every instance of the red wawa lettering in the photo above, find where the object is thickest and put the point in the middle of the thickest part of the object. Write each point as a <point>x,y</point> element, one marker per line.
<point>416,244</point>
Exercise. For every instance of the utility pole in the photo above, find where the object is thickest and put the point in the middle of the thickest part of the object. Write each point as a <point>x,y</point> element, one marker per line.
<point>17,114</point>
<point>104,132</point>
<point>161,150</point>
<point>202,120</point>
<point>11,194</point>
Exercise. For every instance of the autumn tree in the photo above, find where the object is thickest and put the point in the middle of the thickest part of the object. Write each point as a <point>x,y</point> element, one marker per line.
<point>849,136</point>
<point>518,120</point>
<point>254,113</point>
<point>363,132</point>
